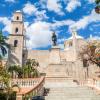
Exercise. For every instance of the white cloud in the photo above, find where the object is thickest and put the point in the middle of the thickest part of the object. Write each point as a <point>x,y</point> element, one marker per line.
<point>10,1</point>
<point>61,46</point>
<point>85,21</point>
<point>54,5</point>
<point>81,24</point>
<point>40,15</point>
<point>29,8</point>
<point>72,5</point>
<point>93,17</point>
<point>64,22</point>
<point>39,34</point>
<point>94,37</point>
<point>61,40</point>
<point>7,24</point>
<point>91,1</point>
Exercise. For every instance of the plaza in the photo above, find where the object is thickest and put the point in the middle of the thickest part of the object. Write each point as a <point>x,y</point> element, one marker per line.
<point>49,52</point>
<point>64,73</point>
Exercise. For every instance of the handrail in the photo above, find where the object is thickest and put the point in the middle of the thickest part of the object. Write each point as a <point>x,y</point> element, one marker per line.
<point>94,83</point>
<point>37,85</point>
<point>36,89</point>
<point>25,82</point>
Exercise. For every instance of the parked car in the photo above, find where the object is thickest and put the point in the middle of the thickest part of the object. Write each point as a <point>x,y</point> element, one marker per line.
<point>38,98</point>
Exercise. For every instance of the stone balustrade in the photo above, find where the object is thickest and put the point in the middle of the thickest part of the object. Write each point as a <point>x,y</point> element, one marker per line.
<point>29,87</point>
<point>94,83</point>
<point>25,82</point>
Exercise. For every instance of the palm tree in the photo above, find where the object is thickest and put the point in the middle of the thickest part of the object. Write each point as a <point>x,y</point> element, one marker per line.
<point>15,69</point>
<point>35,73</point>
<point>34,63</point>
<point>11,70</point>
<point>30,68</point>
<point>19,70</point>
<point>3,46</point>
<point>25,71</point>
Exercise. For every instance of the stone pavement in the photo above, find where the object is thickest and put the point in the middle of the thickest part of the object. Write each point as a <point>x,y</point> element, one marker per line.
<point>69,91</point>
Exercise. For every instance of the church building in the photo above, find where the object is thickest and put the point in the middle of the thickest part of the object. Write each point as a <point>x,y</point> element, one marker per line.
<point>62,62</point>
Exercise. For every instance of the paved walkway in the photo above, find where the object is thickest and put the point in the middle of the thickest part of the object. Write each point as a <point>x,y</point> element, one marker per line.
<point>69,91</point>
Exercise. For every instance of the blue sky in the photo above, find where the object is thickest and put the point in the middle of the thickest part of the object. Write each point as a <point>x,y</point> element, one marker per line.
<point>42,17</point>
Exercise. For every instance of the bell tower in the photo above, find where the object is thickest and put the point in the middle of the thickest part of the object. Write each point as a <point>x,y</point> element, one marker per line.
<point>16,39</point>
<point>74,39</point>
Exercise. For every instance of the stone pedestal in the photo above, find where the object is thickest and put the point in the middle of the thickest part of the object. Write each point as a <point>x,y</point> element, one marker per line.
<point>54,57</point>
<point>55,70</point>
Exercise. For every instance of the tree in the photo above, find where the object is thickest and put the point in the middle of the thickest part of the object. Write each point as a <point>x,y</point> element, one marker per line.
<point>4,82</point>
<point>97,8</point>
<point>25,71</point>
<point>91,53</point>
<point>12,69</point>
<point>30,68</point>
<point>3,46</point>
<point>15,69</point>
<point>4,77</point>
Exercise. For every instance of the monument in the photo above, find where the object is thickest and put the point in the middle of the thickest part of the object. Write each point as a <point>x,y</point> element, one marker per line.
<point>55,70</point>
<point>54,51</point>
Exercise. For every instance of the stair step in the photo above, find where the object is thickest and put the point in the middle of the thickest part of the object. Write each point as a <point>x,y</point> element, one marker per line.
<point>69,91</point>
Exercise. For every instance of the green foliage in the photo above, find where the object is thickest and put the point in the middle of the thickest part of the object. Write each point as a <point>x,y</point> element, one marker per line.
<point>3,44</point>
<point>29,70</point>
<point>6,96</point>
<point>15,69</point>
<point>92,53</point>
<point>4,77</point>
<point>97,1</point>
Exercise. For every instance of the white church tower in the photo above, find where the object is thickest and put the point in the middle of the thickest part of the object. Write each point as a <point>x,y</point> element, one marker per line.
<point>74,42</point>
<point>16,39</point>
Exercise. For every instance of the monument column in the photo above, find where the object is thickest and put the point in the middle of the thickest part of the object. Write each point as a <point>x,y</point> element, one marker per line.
<point>74,34</point>
<point>54,57</point>
<point>55,70</point>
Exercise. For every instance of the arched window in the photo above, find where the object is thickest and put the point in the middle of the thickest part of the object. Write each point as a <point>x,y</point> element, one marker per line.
<point>17,18</point>
<point>70,44</point>
<point>16,30</point>
<point>15,43</point>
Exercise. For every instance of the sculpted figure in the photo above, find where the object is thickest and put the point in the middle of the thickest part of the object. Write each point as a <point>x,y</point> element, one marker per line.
<point>54,39</point>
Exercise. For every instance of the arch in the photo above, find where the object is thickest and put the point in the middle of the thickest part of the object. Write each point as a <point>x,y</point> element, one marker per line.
<point>15,43</point>
<point>17,18</point>
<point>16,30</point>
<point>70,44</point>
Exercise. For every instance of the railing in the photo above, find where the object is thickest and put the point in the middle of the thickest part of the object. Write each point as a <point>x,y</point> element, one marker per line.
<point>25,82</point>
<point>29,88</point>
<point>94,83</point>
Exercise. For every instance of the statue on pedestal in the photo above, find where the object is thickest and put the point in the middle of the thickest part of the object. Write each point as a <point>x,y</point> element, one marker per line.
<point>54,39</point>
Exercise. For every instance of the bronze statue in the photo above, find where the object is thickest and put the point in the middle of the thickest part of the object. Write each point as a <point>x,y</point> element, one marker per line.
<point>54,39</point>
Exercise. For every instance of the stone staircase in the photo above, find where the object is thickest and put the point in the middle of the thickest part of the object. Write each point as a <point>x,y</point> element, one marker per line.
<point>69,91</point>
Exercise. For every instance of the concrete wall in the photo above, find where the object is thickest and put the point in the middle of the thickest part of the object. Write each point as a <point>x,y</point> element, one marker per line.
<point>42,56</point>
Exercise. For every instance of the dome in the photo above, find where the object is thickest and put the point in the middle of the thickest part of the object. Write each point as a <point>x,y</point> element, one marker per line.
<point>18,11</point>
<point>77,37</point>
